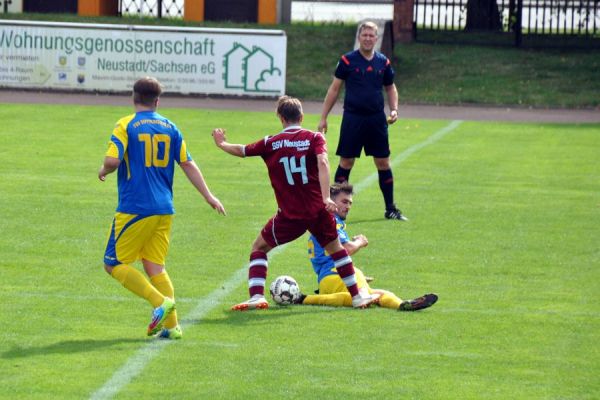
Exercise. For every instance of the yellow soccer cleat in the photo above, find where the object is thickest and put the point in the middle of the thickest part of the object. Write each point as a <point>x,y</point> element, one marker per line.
<point>174,333</point>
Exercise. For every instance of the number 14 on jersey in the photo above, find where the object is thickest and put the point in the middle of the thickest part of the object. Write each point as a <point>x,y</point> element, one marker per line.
<point>290,164</point>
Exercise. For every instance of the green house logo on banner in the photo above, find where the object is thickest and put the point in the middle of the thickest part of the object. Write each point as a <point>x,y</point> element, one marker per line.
<point>250,70</point>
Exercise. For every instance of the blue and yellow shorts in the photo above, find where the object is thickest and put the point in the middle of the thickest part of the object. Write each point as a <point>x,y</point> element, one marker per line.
<point>134,237</point>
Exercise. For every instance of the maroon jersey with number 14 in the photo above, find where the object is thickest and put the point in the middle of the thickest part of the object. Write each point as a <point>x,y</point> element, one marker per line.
<point>291,158</point>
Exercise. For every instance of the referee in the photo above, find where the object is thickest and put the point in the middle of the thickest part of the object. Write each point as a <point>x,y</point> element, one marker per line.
<point>364,124</point>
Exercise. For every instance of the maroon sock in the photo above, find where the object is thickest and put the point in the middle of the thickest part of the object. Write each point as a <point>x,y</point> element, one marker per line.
<point>344,267</point>
<point>257,273</point>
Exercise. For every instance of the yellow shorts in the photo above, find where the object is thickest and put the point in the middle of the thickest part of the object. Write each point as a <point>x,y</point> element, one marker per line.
<point>134,237</point>
<point>334,284</point>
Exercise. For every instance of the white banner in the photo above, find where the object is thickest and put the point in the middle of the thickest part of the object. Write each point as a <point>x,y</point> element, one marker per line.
<point>71,56</point>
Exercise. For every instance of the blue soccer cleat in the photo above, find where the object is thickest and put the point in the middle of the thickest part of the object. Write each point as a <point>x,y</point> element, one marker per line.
<point>159,315</point>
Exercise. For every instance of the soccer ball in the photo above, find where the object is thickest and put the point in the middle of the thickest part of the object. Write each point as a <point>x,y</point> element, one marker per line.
<point>284,290</point>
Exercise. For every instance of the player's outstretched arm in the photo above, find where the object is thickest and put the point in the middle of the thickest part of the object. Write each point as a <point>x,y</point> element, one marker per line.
<point>330,99</point>
<point>109,166</point>
<point>357,243</point>
<point>218,135</point>
<point>193,173</point>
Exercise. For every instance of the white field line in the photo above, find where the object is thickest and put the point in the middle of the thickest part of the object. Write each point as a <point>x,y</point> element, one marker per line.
<point>137,362</point>
<point>368,181</point>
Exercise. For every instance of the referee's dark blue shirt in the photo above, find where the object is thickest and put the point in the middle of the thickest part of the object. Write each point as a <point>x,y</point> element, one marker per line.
<point>364,81</point>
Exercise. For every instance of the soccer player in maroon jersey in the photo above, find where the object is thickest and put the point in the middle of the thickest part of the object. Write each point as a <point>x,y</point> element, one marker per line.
<point>298,167</point>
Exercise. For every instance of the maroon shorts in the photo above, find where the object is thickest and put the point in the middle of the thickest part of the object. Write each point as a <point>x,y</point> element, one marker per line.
<point>280,230</point>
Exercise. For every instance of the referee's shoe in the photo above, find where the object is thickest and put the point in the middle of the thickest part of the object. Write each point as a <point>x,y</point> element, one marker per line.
<point>394,213</point>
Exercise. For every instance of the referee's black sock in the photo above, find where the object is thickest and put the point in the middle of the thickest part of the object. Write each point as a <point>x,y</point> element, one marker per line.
<point>342,174</point>
<point>386,184</point>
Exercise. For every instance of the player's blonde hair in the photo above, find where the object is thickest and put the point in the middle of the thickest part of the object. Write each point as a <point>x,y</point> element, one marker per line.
<point>146,91</point>
<point>290,109</point>
<point>368,25</point>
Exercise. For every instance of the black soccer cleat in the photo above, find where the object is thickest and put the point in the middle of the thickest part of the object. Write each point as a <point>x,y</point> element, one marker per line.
<point>300,299</point>
<point>419,303</point>
<point>394,213</point>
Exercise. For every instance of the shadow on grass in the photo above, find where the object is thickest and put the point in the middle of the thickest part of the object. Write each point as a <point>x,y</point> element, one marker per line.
<point>66,347</point>
<point>378,219</point>
<point>259,317</point>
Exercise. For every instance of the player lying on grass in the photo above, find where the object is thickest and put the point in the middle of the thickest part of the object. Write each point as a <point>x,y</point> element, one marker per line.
<point>331,288</point>
<point>296,160</point>
<point>144,147</point>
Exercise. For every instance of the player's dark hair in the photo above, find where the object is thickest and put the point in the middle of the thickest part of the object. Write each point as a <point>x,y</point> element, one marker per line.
<point>146,91</point>
<point>290,109</point>
<point>338,188</point>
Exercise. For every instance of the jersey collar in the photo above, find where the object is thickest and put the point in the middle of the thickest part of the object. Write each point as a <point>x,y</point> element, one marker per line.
<point>291,127</point>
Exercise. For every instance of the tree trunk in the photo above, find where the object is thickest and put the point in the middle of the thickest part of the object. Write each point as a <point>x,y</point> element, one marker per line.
<point>483,15</point>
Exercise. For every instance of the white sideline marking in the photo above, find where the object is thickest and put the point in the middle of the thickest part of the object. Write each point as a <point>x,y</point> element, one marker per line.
<point>136,363</point>
<point>368,181</point>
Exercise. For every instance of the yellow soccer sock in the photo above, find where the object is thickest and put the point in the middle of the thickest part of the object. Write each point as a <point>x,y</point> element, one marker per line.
<point>137,283</point>
<point>389,300</point>
<point>341,299</point>
<point>163,283</point>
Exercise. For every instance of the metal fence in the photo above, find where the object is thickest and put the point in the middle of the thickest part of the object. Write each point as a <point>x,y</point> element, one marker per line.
<point>156,8</point>
<point>520,21</point>
<point>506,22</point>
<point>575,17</point>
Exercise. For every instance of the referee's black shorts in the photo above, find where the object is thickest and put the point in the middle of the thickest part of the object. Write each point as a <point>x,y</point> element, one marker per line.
<point>363,131</point>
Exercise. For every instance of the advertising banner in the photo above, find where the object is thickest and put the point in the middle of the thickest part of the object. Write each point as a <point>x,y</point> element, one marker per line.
<point>98,57</point>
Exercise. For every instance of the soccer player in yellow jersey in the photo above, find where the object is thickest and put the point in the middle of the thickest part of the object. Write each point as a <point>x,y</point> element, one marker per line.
<point>143,148</point>
<point>331,287</point>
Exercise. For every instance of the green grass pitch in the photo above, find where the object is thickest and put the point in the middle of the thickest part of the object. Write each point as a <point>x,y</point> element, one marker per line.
<point>504,226</point>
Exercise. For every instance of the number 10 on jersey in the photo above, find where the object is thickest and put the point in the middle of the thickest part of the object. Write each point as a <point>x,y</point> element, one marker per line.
<point>152,149</point>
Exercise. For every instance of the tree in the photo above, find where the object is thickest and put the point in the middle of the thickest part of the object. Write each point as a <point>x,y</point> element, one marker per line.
<point>483,15</point>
